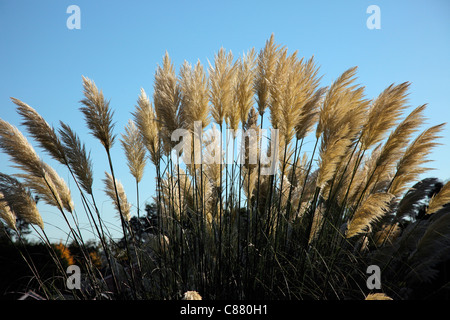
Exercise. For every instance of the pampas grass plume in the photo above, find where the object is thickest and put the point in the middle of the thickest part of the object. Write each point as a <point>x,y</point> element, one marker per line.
<point>20,200</point>
<point>192,295</point>
<point>97,113</point>
<point>125,206</point>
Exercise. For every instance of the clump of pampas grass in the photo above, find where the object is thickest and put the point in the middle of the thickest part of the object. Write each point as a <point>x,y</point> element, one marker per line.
<point>342,193</point>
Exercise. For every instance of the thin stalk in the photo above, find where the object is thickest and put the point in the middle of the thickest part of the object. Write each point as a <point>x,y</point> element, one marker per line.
<point>259,171</point>
<point>310,218</point>
<point>73,232</point>
<point>53,255</point>
<point>218,268</point>
<point>248,228</point>
<point>202,220</point>
<point>182,268</point>
<point>105,247</point>
<point>232,209</point>
<point>307,174</point>
<point>255,213</point>
<point>239,253</point>
<point>161,229</point>
<point>227,210</point>
<point>279,222</point>
<point>30,262</point>
<point>196,206</point>
<point>101,234</point>
<point>172,210</point>
<point>122,220</point>
<point>288,209</point>
<point>137,199</point>
<point>336,221</point>
<point>289,205</point>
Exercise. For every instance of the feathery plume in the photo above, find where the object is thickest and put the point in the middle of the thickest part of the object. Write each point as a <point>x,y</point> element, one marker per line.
<point>6,214</point>
<point>194,98</point>
<point>308,114</point>
<point>20,200</point>
<point>46,189</point>
<point>439,200</point>
<point>167,95</point>
<point>97,114</point>
<point>265,69</point>
<point>384,113</point>
<point>301,83</point>
<point>41,131</point>
<point>125,206</point>
<point>221,80</point>
<point>77,157</point>
<point>134,148</point>
<point>24,156</point>
<point>276,85</point>
<point>332,109</point>
<point>400,137</point>
<point>192,295</point>
<point>167,101</point>
<point>395,145</point>
<point>148,126</point>
<point>372,209</point>
<point>331,155</point>
<point>244,84</point>
<point>377,296</point>
<point>408,168</point>
<point>339,123</point>
<point>61,189</point>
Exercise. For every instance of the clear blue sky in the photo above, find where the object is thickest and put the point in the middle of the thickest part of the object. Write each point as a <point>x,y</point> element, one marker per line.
<point>120,44</point>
